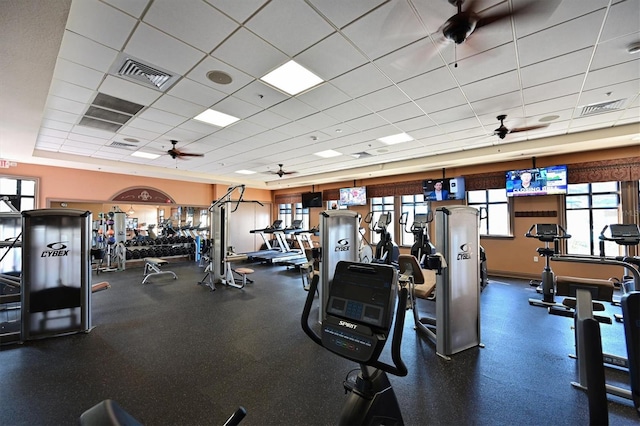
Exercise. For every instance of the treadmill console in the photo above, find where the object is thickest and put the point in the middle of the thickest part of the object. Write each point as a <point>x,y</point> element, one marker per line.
<point>360,310</point>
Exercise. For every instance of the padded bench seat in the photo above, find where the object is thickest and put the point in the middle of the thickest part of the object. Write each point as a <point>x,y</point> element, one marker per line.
<point>152,267</point>
<point>600,289</point>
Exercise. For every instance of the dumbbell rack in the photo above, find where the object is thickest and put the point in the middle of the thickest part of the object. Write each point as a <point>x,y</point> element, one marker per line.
<point>161,247</point>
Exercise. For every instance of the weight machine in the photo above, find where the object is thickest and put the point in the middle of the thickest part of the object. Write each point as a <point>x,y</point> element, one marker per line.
<point>221,255</point>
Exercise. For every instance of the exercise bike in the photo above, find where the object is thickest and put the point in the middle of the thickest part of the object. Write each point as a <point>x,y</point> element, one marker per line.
<point>359,319</point>
<point>547,233</point>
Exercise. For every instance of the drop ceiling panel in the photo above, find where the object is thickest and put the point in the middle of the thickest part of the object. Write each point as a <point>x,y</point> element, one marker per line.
<point>190,21</point>
<point>293,109</point>
<point>429,83</point>
<point>71,91</point>
<point>605,77</point>
<point>495,61</point>
<point>556,42</point>
<point>280,18</point>
<point>348,111</point>
<point>260,94</point>
<point>400,113</point>
<point>81,50</point>
<point>623,19</point>
<point>398,25</point>
<point>564,66</point>
<point>77,74</point>
<point>66,105</point>
<point>100,23</point>
<point>324,96</point>
<point>132,7</point>
<point>361,81</point>
<point>383,99</point>
<point>238,10</point>
<point>557,13</point>
<point>249,53</point>
<point>200,94</point>
<point>331,57</point>
<point>159,116</point>
<point>177,106</point>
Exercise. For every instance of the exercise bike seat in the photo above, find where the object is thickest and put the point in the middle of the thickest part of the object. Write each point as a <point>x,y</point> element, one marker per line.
<point>424,280</point>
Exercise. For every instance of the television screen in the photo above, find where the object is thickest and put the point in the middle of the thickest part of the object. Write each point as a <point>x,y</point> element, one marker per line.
<point>356,196</point>
<point>443,189</point>
<point>311,199</point>
<point>537,181</point>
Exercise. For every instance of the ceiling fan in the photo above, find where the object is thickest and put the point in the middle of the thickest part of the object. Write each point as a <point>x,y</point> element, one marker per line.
<point>461,25</point>
<point>280,172</point>
<point>503,131</point>
<point>176,153</point>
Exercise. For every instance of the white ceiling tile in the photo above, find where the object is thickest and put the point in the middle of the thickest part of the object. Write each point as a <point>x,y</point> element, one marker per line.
<point>552,105</point>
<point>556,43</point>
<point>280,18</point>
<point>429,83</point>
<point>623,19</point>
<point>398,26</point>
<point>401,113</point>
<point>238,10</point>
<point>498,104</point>
<point>57,125</point>
<point>371,121</point>
<point>614,51</point>
<point>604,77</point>
<point>323,96</point>
<point>627,90</point>
<point>100,22</point>
<point>190,21</point>
<point>249,53</point>
<point>568,65</point>
<point>410,61</point>
<point>342,12</point>
<point>66,105</point>
<point>493,86</point>
<point>492,62</point>
<point>552,90</point>
<point>331,57</point>
<point>177,106</point>
<point>62,116</point>
<point>191,91</point>
<point>71,91</point>
<point>77,74</point>
<point>557,13</point>
<point>199,74</point>
<point>132,7</point>
<point>348,111</point>
<point>383,99</point>
<point>457,113</point>
<point>442,101</point>
<point>236,107</point>
<point>267,119</point>
<point>293,109</point>
<point>159,49</point>
<point>132,92</point>
<point>260,94</point>
<point>159,116</point>
<point>317,121</point>
<point>361,81</point>
<point>81,50</point>
<point>416,124</point>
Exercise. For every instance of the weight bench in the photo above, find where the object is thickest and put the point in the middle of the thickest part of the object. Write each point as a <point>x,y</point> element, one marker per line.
<point>152,267</point>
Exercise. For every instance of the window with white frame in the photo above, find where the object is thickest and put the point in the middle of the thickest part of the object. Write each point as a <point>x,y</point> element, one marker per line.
<point>302,213</point>
<point>21,193</point>
<point>410,204</point>
<point>496,205</point>
<point>381,205</point>
<point>589,208</point>
<point>284,214</point>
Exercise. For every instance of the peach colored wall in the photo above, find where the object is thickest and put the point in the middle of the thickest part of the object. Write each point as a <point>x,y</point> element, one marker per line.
<point>511,256</point>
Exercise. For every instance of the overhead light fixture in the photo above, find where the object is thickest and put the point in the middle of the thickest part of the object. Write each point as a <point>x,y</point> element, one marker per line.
<point>395,139</point>
<point>245,172</point>
<point>143,154</point>
<point>292,78</point>
<point>131,210</point>
<point>216,118</point>
<point>328,153</point>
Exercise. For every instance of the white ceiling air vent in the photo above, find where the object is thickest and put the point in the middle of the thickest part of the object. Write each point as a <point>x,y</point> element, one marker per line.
<point>122,145</point>
<point>109,113</point>
<point>150,75</point>
<point>359,155</point>
<point>601,107</point>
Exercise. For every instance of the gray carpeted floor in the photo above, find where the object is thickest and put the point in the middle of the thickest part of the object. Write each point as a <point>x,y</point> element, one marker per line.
<point>173,353</point>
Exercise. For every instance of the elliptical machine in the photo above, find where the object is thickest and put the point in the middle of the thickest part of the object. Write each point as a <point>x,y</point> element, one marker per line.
<point>422,246</point>
<point>547,233</point>
<point>387,251</point>
<point>358,322</point>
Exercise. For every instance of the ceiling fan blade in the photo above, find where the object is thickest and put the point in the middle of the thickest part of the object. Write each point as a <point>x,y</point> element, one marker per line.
<point>533,7</point>
<point>189,154</point>
<point>527,128</point>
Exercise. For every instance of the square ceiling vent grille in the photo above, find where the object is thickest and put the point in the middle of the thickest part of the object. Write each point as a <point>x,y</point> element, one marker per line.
<point>602,107</point>
<point>149,75</point>
<point>109,113</point>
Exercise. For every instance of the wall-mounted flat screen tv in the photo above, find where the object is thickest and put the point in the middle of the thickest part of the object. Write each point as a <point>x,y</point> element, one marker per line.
<point>537,181</point>
<point>443,189</point>
<point>311,199</point>
<point>356,196</point>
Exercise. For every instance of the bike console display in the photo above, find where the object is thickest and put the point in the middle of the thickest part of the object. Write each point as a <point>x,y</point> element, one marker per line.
<point>360,310</point>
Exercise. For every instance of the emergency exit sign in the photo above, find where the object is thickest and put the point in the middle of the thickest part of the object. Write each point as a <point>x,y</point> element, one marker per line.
<point>5,164</point>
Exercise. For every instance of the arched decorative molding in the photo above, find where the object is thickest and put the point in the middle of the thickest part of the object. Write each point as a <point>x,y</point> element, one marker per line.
<point>143,194</point>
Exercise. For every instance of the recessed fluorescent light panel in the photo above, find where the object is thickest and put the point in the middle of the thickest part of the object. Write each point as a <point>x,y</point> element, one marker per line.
<point>292,78</point>
<point>245,172</point>
<point>328,153</point>
<point>394,139</point>
<point>216,118</point>
<point>143,154</point>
